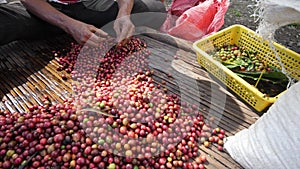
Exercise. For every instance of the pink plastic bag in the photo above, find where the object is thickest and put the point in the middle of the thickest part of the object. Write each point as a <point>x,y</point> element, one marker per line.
<point>198,21</point>
<point>180,6</point>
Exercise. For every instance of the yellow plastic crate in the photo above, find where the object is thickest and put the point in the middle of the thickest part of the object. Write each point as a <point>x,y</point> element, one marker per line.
<point>245,37</point>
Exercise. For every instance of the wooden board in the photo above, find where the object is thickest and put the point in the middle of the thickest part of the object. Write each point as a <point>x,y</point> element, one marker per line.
<point>28,72</point>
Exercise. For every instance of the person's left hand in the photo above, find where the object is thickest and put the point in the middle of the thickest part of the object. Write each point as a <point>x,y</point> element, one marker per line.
<point>124,28</point>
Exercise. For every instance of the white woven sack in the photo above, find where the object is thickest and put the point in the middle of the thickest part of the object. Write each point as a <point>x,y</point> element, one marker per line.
<point>274,14</point>
<point>273,141</point>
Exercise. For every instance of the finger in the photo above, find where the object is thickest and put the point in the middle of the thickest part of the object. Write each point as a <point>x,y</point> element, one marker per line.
<point>94,38</point>
<point>131,31</point>
<point>126,33</point>
<point>122,35</point>
<point>101,33</point>
<point>98,32</point>
<point>117,29</point>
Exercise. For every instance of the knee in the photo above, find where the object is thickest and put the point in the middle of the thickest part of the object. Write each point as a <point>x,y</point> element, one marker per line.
<point>148,6</point>
<point>156,6</point>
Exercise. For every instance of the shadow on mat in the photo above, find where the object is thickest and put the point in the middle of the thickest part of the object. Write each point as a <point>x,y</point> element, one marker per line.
<point>22,73</point>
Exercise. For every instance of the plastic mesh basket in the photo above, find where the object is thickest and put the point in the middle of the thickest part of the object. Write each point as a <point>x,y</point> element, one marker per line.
<point>245,37</point>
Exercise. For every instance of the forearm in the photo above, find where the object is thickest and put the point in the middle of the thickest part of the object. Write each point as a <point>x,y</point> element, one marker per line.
<point>125,7</point>
<point>46,12</point>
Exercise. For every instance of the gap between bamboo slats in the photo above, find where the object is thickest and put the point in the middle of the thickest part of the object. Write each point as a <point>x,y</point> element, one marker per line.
<point>31,84</point>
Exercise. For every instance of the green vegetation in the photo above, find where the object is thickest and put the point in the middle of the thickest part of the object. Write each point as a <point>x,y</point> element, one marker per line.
<point>294,24</point>
<point>235,12</point>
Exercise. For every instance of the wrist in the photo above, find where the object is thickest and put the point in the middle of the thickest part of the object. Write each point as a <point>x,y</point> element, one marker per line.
<point>68,25</point>
<point>123,13</point>
<point>125,7</point>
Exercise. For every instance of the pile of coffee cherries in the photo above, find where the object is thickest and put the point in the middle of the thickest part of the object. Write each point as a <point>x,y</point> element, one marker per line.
<point>118,118</point>
<point>244,59</point>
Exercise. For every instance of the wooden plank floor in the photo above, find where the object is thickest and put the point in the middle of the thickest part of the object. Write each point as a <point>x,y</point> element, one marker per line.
<point>28,71</point>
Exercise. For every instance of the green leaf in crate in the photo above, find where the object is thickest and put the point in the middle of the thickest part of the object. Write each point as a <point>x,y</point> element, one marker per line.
<point>234,64</point>
<point>230,65</point>
<point>275,77</point>
<point>250,67</point>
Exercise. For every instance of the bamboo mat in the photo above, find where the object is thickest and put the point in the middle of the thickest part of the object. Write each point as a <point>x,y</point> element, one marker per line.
<point>28,72</point>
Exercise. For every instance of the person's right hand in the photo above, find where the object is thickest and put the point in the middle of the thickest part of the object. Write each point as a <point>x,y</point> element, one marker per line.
<point>81,32</point>
<point>85,33</point>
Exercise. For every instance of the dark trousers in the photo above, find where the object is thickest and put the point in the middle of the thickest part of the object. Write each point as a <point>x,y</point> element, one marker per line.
<point>17,24</point>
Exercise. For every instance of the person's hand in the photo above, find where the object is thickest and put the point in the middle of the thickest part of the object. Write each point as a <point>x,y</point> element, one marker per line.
<point>124,28</point>
<point>86,34</point>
